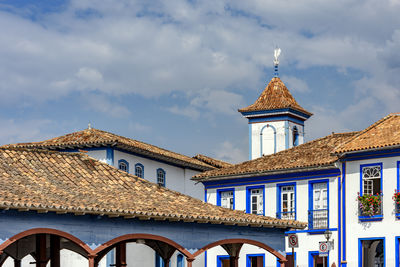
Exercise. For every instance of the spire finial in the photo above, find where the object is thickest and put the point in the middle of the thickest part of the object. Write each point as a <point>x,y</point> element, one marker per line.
<point>89,126</point>
<point>277,53</point>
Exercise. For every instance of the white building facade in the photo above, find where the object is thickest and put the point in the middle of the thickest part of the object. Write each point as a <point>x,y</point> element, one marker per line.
<point>344,183</point>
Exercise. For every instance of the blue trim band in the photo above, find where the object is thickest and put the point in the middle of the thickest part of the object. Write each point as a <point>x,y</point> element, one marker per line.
<point>285,177</point>
<point>316,231</point>
<point>275,118</point>
<point>266,112</point>
<point>383,153</point>
<point>344,212</point>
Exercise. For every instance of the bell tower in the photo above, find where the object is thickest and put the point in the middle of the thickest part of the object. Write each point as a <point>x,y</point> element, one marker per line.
<point>276,120</point>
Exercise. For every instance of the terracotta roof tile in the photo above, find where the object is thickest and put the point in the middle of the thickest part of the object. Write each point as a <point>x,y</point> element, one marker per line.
<point>94,138</point>
<point>381,134</point>
<point>316,153</point>
<point>76,183</point>
<point>213,162</point>
<point>275,96</point>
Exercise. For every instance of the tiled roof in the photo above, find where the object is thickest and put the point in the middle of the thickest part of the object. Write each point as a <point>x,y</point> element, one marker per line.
<point>382,134</point>
<point>62,182</point>
<point>275,96</point>
<point>95,138</point>
<point>213,162</point>
<point>310,155</point>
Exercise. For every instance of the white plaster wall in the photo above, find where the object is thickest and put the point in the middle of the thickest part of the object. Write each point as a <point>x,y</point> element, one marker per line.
<point>138,255</point>
<point>176,178</point>
<point>98,154</point>
<point>268,138</point>
<point>389,227</point>
<point>308,242</point>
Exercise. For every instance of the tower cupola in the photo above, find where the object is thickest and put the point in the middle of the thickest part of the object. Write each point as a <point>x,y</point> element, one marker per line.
<point>276,120</point>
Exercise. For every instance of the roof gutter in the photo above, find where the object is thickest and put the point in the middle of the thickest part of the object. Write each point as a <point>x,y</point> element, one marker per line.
<point>342,155</point>
<point>263,173</point>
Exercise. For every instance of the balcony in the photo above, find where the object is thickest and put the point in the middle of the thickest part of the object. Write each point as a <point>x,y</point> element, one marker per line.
<point>318,219</point>
<point>370,208</point>
<point>286,215</point>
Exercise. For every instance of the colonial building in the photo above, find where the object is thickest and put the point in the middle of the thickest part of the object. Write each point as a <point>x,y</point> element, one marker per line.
<point>343,183</point>
<point>57,203</point>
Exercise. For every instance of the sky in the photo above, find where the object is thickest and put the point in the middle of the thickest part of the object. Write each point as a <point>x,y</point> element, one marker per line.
<point>174,73</point>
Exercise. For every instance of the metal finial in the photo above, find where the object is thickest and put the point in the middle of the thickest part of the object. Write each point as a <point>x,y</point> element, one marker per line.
<point>89,126</point>
<point>277,53</point>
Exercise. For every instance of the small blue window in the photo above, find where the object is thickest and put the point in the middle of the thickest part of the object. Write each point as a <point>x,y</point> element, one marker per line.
<point>295,136</point>
<point>123,165</point>
<point>161,177</point>
<point>139,170</point>
<point>179,260</point>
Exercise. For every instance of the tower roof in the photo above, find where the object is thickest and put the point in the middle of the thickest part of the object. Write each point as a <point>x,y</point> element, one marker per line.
<point>275,96</point>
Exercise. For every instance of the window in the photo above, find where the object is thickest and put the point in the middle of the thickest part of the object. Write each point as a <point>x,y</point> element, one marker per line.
<point>318,214</point>
<point>255,200</point>
<point>295,136</point>
<point>159,261</point>
<point>139,170</point>
<point>161,177</point>
<point>123,165</point>
<point>371,179</point>
<point>371,252</point>
<point>226,198</point>
<point>179,260</point>
<point>286,202</point>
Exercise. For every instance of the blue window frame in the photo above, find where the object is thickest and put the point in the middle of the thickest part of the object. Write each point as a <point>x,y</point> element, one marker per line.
<point>250,256</point>
<point>371,178</point>
<point>397,247</point>
<point>221,258</point>
<point>161,177</point>
<point>380,250</point>
<point>226,198</point>
<point>139,170</point>
<point>123,165</point>
<point>286,201</point>
<point>371,183</point>
<point>397,211</point>
<point>311,255</point>
<point>255,199</point>
<point>318,204</point>
<point>179,261</point>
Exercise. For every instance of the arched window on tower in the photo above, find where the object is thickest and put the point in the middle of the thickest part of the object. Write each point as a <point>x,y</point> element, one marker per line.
<point>161,177</point>
<point>139,170</point>
<point>295,136</point>
<point>123,165</point>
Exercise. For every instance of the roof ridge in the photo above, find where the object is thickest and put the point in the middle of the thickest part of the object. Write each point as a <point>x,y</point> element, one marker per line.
<point>336,150</point>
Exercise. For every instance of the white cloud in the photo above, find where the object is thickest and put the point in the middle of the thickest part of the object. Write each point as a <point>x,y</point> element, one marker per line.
<point>103,104</point>
<point>295,84</point>
<point>228,152</point>
<point>15,131</point>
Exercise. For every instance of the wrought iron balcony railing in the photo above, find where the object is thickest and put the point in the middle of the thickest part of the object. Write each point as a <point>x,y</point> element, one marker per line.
<point>288,215</point>
<point>318,219</point>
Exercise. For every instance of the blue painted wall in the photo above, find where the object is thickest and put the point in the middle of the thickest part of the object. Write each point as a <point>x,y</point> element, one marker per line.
<point>95,230</point>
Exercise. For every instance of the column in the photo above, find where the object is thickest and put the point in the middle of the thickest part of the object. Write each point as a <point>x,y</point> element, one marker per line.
<point>41,250</point>
<point>233,261</point>
<point>189,262</point>
<point>120,255</point>
<point>17,263</point>
<point>54,251</point>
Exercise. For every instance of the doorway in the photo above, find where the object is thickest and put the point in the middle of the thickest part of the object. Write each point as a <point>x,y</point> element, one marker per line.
<point>314,260</point>
<point>255,260</point>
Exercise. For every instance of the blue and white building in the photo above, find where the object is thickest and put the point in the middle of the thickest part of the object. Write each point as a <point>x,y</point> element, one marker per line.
<point>316,182</point>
